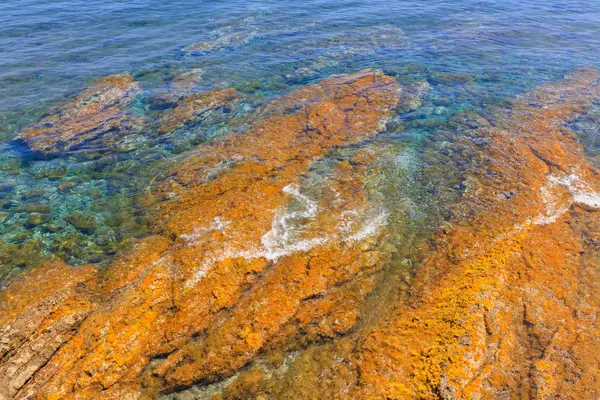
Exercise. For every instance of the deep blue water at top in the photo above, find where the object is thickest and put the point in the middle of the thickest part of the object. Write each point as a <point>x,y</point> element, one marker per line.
<point>473,53</point>
<point>48,48</point>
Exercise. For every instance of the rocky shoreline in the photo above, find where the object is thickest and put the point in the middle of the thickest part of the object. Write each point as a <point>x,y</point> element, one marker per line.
<point>255,290</point>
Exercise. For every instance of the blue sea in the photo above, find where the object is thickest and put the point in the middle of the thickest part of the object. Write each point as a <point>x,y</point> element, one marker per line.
<point>474,54</point>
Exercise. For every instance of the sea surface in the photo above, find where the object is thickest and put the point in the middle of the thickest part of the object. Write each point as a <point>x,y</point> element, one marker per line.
<point>474,55</point>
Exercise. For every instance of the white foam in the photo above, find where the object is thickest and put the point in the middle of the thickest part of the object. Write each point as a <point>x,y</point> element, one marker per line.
<point>553,210</point>
<point>199,233</point>
<point>580,192</point>
<point>279,241</point>
<point>370,228</point>
<point>284,237</point>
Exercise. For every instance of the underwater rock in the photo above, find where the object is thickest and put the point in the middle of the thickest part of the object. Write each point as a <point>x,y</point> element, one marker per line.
<point>197,107</point>
<point>224,41</point>
<point>35,219</point>
<point>35,208</point>
<point>180,86</point>
<point>100,109</point>
<point>228,244</point>
<point>67,186</point>
<point>503,304</point>
<point>32,194</point>
<point>83,222</point>
<point>333,50</point>
<point>183,83</point>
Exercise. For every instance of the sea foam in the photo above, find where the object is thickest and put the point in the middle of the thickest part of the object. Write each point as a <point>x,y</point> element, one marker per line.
<point>285,236</point>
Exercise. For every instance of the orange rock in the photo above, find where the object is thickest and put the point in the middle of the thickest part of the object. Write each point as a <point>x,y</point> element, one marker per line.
<point>503,304</point>
<point>228,246</point>
<point>196,107</point>
<point>38,315</point>
<point>100,109</point>
<point>494,310</point>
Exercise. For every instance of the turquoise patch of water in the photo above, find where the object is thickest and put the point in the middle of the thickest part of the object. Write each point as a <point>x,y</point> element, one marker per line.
<point>83,206</point>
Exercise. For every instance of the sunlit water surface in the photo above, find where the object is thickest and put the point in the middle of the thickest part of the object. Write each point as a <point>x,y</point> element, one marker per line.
<point>473,54</point>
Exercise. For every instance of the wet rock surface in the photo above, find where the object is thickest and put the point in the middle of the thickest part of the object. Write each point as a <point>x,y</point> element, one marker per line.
<point>496,309</point>
<point>499,305</point>
<point>96,111</point>
<point>156,301</point>
<point>266,280</point>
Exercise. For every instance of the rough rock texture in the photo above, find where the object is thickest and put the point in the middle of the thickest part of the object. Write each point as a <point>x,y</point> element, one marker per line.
<point>231,269</point>
<point>502,305</point>
<point>505,305</point>
<point>100,118</point>
<point>38,315</point>
<point>100,109</point>
<point>255,288</point>
<point>195,108</point>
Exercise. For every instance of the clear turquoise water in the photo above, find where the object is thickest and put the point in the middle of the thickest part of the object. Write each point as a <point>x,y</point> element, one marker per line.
<point>474,54</point>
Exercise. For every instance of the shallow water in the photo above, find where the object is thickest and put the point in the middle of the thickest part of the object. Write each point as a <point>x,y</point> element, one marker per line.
<point>473,55</point>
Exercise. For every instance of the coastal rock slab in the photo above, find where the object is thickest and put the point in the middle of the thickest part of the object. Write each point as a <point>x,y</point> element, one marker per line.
<point>38,315</point>
<point>229,243</point>
<point>503,303</point>
<point>100,109</point>
<point>505,300</point>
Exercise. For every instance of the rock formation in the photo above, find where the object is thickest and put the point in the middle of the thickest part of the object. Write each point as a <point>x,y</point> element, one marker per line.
<point>505,304</point>
<point>196,107</point>
<point>255,288</point>
<point>100,109</point>
<point>134,329</point>
<point>502,304</point>
<point>180,86</point>
<point>100,117</point>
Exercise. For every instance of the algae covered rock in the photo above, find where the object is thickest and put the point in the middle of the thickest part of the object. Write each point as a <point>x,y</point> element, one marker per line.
<point>159,297</point>
<point>100,109</point>
<point>83,222</point>
<point>262,282</point>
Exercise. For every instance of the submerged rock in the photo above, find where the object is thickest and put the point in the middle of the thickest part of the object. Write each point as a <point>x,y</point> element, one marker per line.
<point>224,41</point>
<point>100,109</point>
<point>35,219</point>
<point>102,118</point>
<point>256,287</point>
<point>83,222</point>
<point>196,107</point>
<point>221,254</point>
<point>181,85</point>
